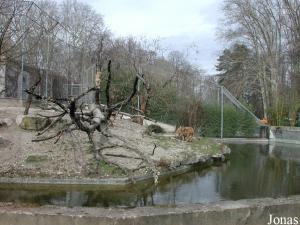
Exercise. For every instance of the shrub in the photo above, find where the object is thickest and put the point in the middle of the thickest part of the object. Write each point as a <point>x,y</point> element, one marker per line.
<point>155,129</point>
<point>236,122</point>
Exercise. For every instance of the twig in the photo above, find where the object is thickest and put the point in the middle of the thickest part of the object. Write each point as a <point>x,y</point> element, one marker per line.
<point>39,97</point>
<point>48,137</point>
<point>125,101</point>
<point>51,116</point>
<point>154,149</point>
<point>58,137</point>
<point>2,91</point>
<point>145,158</point>
<point>122,156</point>
<point>85,93</point>
<point>52,124</point>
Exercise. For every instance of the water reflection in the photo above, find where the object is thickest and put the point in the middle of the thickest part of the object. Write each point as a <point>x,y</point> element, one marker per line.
<point>253,171</point>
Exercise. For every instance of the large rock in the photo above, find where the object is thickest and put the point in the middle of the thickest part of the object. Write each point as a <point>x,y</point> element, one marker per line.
<point>31,122</point>
<point>6,122</point>
<point>3,142</point>
<point>137,119</point>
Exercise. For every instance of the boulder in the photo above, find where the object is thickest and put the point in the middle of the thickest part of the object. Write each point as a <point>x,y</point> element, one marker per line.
<point>32,122</point>
<point>3,142</point>
<point>5,122</point>
<point>137,119</point>
<point>153,128</point>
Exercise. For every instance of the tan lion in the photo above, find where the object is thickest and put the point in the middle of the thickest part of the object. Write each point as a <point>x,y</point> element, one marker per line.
<point>185,133</point>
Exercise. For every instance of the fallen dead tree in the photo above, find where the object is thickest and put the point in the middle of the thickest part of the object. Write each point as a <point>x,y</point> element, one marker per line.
<point>94,119</point>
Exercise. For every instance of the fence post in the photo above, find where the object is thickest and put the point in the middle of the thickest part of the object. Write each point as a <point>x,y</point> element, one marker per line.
<point>20,80</point>
<point>47,65</point>
<point>222,112</point>
<point>138,93</point>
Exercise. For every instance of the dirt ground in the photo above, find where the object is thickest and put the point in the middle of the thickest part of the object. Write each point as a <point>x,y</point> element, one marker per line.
<point>72,157</point>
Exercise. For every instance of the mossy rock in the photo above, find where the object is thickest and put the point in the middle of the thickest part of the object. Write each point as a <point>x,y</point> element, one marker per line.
<point>29,122</point>
<point>153,128</point>
<point>137,119</point>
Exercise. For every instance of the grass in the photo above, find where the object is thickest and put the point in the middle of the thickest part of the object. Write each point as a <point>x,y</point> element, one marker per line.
<point>204,145</point>
<point>109,169</point>
<point>166,142</point>
<point>36,158</point>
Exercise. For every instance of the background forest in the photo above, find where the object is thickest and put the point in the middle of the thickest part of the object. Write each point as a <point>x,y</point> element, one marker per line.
<point>260,66</point>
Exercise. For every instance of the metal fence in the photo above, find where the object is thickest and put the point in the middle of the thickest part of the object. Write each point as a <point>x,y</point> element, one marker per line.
<point>213,112</point>
<point>44,49</point>
<point>235,119</point>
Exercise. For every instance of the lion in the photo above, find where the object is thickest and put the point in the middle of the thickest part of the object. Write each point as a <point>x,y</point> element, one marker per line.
<point>264,121</point>
<point>185,133</point>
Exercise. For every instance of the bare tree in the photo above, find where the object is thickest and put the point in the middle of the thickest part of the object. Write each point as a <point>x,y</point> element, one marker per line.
<point>257,23</point>
<point>91,121</point>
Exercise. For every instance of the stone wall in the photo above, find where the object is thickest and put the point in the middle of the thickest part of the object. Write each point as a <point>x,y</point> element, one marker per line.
<point>285,134</point>
<point>250,212</point>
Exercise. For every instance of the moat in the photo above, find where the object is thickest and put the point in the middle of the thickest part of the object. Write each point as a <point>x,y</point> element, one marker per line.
<point>253,171</point>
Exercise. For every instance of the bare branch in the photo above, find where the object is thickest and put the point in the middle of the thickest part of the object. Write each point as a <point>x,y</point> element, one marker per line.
<point>128,99</point>
<point>29,99</point>
<point>2,91</point>
<point>58,119</point>
<point>122,156</point>
<point>108,84</point>
<point>39,97</point>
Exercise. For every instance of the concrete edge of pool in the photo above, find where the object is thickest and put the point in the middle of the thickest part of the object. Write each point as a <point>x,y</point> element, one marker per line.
<point>110,182</point>
<point>247,211</point>
<point>115,182</point>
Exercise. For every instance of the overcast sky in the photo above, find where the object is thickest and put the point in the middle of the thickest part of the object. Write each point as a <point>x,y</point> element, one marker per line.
<point>178,23</point>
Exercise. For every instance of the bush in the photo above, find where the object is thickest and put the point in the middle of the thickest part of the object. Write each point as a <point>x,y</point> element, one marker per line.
<point>161,106</point>
<point>236,123</point>
<point>153,128</point>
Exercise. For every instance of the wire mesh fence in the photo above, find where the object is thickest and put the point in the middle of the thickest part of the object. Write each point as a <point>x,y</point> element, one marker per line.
<point>42,48</point>
<point>214,112</point>
<point>227,117</point>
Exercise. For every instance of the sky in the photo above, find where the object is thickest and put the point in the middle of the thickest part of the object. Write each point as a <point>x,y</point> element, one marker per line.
<point>185,25</point>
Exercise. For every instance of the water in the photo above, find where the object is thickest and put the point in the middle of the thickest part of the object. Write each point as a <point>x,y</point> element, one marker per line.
<point>254,170</point>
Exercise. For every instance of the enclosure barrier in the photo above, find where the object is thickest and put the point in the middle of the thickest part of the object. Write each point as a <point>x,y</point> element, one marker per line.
<point>249,211</point>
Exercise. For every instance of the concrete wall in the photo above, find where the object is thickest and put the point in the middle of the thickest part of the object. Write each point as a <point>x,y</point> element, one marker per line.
<point>285,134</point>
<point>288,152</point>
<point>250,212</point>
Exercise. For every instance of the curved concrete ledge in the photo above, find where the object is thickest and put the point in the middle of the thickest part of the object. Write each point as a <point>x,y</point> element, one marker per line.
<point>285,135</point>
<point>244,140</point>
<point>250,212</point>
<point>109,182</point>
<point>286,141</point>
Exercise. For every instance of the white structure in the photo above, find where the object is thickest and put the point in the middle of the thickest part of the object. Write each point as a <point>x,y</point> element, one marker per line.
<point>167,127</point>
